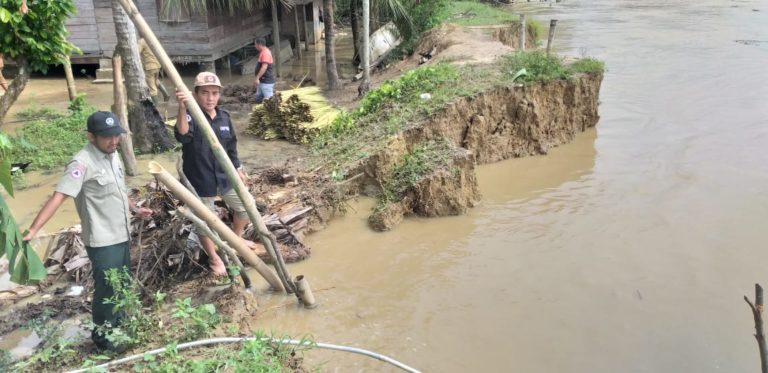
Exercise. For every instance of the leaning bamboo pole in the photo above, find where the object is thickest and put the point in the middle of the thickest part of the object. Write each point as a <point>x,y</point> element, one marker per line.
<point>218,151</point>
<point>213,221</point>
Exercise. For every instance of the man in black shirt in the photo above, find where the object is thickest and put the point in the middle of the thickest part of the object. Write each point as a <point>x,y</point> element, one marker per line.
<point>201,167</point>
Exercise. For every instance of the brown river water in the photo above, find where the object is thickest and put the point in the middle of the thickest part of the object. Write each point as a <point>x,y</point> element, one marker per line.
<point>627,250</point>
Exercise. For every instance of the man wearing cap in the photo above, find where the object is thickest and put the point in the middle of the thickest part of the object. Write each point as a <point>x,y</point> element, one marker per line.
<point>200,165</point>
<point>265,73</point>
<point>96,180</point>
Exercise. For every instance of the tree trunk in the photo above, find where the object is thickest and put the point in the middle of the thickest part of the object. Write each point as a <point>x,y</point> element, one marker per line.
<point>330,54</point>
<point>354,12</point>
<point>15,88</point>
<point>71,88</point>
<point>145,121</point>
<point>126,142</point>
<point>366,48</point>
<point>276,37</point>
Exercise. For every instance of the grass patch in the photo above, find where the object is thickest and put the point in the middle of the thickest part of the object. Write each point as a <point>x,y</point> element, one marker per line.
<point>52,139</point>
<point>387,110</point>
<point>588,65</point>
<point>542,68</point>
<point>471,13</point>
<point>421,161</point>
<point>539,66</point>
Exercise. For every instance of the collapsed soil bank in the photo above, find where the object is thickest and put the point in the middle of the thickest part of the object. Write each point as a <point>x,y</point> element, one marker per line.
<point>491,126</point>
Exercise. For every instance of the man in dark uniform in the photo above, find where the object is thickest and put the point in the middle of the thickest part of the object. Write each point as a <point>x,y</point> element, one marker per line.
<point>201,167</point>
<point>96,180</point>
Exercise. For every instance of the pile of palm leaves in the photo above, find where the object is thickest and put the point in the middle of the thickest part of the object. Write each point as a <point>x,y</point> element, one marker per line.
<point>297,119</point>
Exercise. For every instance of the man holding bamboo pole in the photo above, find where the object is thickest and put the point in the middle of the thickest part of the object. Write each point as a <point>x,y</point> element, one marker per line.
<point>201,167</point>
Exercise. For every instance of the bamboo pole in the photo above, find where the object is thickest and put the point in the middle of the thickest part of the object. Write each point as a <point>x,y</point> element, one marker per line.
<point>276,37</point>
<point>200,224</point>
<point>213,221</point>
<point>71,88</point>
<point>521,33</point>
<point>757,312</point>
<point>552,25</point>
<point>126,140</point>
<point>304,24</point>
<point>218,151</point>
<point>298,30</point>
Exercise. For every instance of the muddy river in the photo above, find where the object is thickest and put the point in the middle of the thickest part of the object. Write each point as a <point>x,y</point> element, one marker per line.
<point>627,250</point>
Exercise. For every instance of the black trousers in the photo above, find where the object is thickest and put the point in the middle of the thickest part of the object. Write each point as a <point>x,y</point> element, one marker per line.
<point>103,259</point>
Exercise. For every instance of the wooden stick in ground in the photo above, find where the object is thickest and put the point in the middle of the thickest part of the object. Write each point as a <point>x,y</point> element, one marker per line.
<point>521,33</point>
<point>126,140</point>
<point>200,224</point>
<point>757,313</point>
<point>552,25</point>
<point>71,88</point>
<point>298,29</point>
<point>213,221</point>
<point>218,151</point>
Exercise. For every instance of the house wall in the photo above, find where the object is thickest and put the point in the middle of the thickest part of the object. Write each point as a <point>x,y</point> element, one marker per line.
<point>228,33</point>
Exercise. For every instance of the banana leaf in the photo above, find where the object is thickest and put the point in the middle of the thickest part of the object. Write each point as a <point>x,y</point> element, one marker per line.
<point>23,263</point>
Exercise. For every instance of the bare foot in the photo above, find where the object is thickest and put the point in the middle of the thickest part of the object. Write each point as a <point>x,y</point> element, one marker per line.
<point>256,247</point>
<point>217,267</point>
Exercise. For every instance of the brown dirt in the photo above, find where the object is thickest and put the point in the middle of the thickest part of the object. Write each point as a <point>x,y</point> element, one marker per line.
<point>494,125</point>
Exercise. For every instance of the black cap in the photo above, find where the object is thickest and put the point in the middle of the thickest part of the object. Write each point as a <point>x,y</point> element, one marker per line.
<point>104,123</point>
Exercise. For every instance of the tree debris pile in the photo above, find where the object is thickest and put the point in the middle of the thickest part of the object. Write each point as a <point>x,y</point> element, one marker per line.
<point>164,249</point>
<point>297,119</point>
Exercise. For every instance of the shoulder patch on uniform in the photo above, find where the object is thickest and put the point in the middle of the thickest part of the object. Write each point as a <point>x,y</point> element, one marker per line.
<point>77,171</point>
<point>189,118</point>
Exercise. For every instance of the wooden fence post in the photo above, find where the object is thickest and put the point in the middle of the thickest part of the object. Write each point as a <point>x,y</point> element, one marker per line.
<point>552,24</point>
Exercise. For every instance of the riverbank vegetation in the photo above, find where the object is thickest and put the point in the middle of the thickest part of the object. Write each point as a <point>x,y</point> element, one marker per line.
<point>51,138</point>
<point>397,104</point>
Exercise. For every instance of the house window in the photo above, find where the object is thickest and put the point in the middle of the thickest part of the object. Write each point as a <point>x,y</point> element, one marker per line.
<point>172,11</point>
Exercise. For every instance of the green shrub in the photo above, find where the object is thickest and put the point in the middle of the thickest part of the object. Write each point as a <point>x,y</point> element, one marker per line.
<point>588,65</point>
<point>538,65</point>
<point>52,139</point>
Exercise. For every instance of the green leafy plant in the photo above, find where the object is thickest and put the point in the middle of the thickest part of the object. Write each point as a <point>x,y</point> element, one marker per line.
<point>195,321</point>
<point>138,323</point>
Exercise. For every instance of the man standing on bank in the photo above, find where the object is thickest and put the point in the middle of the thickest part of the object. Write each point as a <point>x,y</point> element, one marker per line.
<point>265,73</point>
<point>151,72</point>
<point>96,180</point>
<point>200,165</point>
